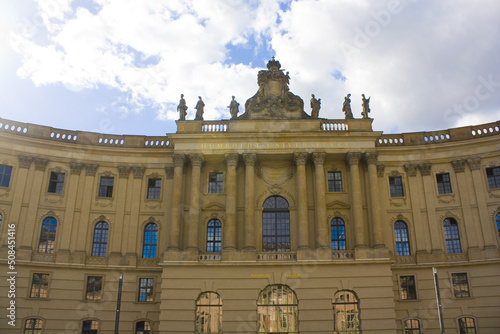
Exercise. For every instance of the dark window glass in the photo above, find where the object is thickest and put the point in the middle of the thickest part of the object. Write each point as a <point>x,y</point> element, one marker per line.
<point>146,289</point>
<point>215,183</point>
<point>396,186</point>
<point>277,310</point>
<point>214,234</point>
<point>90,327</point>
<point>100,244</point>
<point>143,327</point>
<point>412,326</point>
<point>444,183</point>
<point>452,236</point>
<point>39,286</point>
<point>493,175</point>
<point>94,288</point>
<point>106,186</point>
<point>33,326</point>
<point>47,235</point>
<point>150,241</point>
<point>208,313</point>
<point>346,313</point>
<point>335,181</point>
<point>460,285</point>
<point>337,229</point>
<point>56,183</point>
<point>401,238</point>
<point>275,225</point>
<point>5,173</point>
<point>498,223</point>
<point>408,288</point>
<point>154,188</point>
<point>467,325</point>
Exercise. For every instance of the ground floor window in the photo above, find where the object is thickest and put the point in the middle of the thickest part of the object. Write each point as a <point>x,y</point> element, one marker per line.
<point>346,313</point>
<point>277,310</point>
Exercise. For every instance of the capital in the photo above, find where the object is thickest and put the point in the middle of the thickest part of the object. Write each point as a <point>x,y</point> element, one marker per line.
<point>250,159</point>
<point>474,163</point>
<point>319,158</point>
<point>425,168</point>
<point>138,172</point>
<point>179,160</point>
<point>169,172</point>
<point>411,169</point>
<point>90,169</point>
<point>25,161</point>
<point>76,167</point>
<point>352,158</point>
<point>40,164</point>
<point>458,165</point>
<point>123,171</point>
<point>300,158</point>
<point>232,159</point>
<point>371,157</point>
<point>196,159</point>
<point>380,170</point>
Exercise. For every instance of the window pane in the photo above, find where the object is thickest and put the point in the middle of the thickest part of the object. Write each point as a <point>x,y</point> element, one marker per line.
<point>408,287</point>
<point>337,234</point>
<point>100,243</point>
<point>47,235</point>
<point>56,183</point>
<point>150,241</point>
<point>214,235</point>
<point>452,236</point>
<point>154,188</point>
<point>396,186</point>
<point>39,286</point>
<point>146,289</point>
<point>275,225</point>
<point>106,187</point>
<point>5,173</point>
<point>346,312</point>
<point>215,183</point>
<point>460,285</point>
<point>94,288</point>
<point>493,175</point>
<point>401,239</point>
<point>277,310</point>
<point>334,181</point>
<point>444,183</point>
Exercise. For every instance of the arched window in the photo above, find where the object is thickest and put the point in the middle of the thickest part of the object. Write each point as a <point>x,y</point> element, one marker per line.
<point>47,235</point>
<point>498,223</point>
<point>150,241</point>
<point>452,236</point>
<point>33,326</point>
<point>143,327</point>
<point>277,310</point>
<point>100,244</point>
<point>337,228</point>
<point>208,313</point>
<point>214,234</point>
<point>90,327</point>
<point>401,238</point>
<point>1,218</point>
<point>467,325</point>
<point>411,326</point>
<point>275,225</point>
<point>346,313</point>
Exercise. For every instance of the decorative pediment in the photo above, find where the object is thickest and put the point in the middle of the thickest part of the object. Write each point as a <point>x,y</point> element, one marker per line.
<point>275,175</point>
<point>337,205</point>
<point>214,206</point>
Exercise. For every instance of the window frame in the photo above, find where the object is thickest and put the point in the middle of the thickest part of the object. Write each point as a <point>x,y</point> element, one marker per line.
<point>396,190</point>
<point>407,289</point>
<point>199,328</point>
<point>56,186</point>
<point>214,236</point>
<point>335,182</point>
<point>144,331</point>
<point>338,240</point>
<point>48,235</point>
<point>90,330</point>
<point>497,219</point>
<point>38,287</point>
<point>343,307</point>
<point>106,190</point>
<point>412,330</point>
<point>291,307</point>
<point>280,240</point>
<point>151,242</point>
<point>101,245</point>
<point>147,290</point>
<point>460,328</point>
<point>215,186</point>
<point>460,291</point>
<point>451,240</point>
<point>401,241</point>
<point>33,329</point>
<point>154,191</point>
<point>493,179</point>
<point>96,294</point>
<point>5,175</point>
<point>444,187</point>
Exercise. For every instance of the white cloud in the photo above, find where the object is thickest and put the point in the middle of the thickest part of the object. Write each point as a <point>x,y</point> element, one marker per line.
<point>418,60</point>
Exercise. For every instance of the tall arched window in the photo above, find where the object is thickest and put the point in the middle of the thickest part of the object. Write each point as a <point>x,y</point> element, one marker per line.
<point>277,310</point>
<point>47,235</point>
<point>401,238</point>
<point>100,244</point>
<point>214,234</point>
<point>143,327</point>
<point>208,313</point>
<point>33,326</point>
<point>346,313</point>
<point>150,241</point>
<point>467,325</point>
<point>275,225</point>
<point>337,228</point>
<point>411,326</point>
<point>1,218</point>
<point>498,223</point>
<point>90,327</point>
<point>452,236</point>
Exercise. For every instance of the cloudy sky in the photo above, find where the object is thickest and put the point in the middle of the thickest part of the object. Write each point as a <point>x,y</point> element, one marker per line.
<point>119,66</point>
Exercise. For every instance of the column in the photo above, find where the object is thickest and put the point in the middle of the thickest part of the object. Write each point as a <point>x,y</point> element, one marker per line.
<point>20,188</point>
<point>484,218</point>
<point>194,206</point>
<point>434,227</point>
<point>249,159</point>
<point>173,241</point>
<point>371,162</point>
<point>36,188</point>
<point>71,192</point>
<point>88,193</point>
<point>303,224</point>
<point>352,160</point>
<point>119,193</point>
<point>132,223</point>
<point>229,231</point>
<point>322,225</point>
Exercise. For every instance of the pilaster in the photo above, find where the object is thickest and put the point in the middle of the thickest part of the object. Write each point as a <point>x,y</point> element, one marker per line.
<point>194,206</point>
<point>303,224</point>
<point>229,233</point>
<point>173,241</point>
<point>352,160</point>
<point>250,159</point>
<point>322,230</point>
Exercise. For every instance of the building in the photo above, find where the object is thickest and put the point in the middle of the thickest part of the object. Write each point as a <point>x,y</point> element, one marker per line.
<point>271,222</point>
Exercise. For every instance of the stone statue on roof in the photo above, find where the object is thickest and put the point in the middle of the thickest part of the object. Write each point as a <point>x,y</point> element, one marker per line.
<point>366,106</point>
<point>346,108</point>
<point>234,108</point>
<point>181,108</point>
<point>200,105</point>
<point>315,106</point>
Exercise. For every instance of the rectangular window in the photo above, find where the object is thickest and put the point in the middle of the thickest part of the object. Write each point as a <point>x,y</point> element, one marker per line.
<point>460,285</point>
<point>39,286</point>
<point>407,287</point>
<point>493,175</point>
<point>215,181</point>
<point>444,183</point>
<point>154,188</point>
<point>396,186</point>
<point>5,173</point>
<point>335,182</point>
<point>94,288</point>
<point>106,186</point>
<point>146,289</point>
<point>56,183</point>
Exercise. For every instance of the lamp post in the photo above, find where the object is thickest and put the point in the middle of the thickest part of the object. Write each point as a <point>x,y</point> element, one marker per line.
<point>118,303</point>
<point>438,299</point>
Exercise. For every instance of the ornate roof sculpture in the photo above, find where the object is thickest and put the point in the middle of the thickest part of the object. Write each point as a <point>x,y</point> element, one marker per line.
<point>274,100</point>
